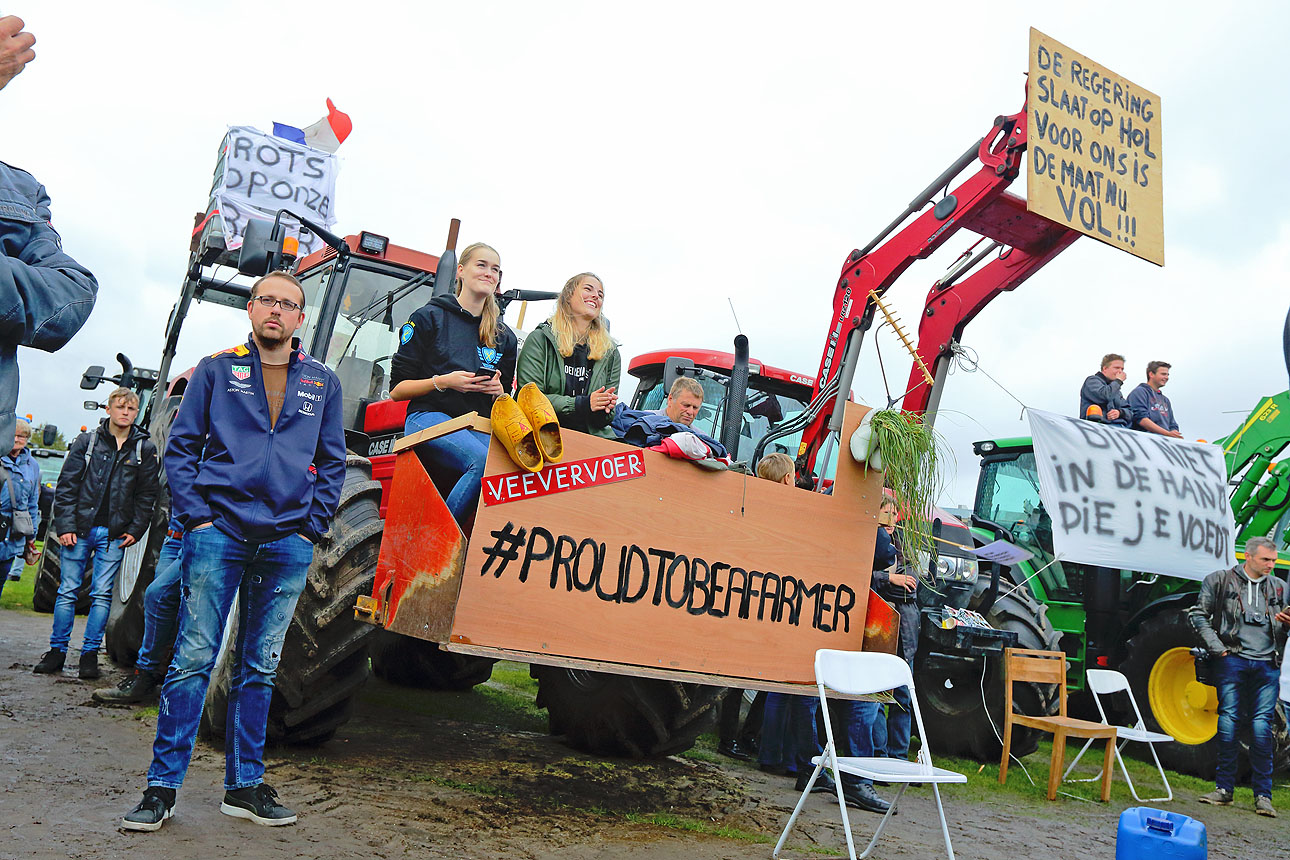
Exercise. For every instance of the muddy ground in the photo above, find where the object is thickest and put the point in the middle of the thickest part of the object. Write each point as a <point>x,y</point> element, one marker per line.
<point>398,783</point>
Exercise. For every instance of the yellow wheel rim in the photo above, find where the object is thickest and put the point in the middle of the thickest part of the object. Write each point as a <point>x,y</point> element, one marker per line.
<point>1184,707</point>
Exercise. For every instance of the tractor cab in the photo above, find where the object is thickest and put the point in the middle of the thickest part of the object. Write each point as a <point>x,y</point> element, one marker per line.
<point>775,397</point>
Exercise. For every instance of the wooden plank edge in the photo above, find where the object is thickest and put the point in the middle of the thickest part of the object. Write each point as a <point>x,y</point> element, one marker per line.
<point>658,673</point>
<point>452,425</point>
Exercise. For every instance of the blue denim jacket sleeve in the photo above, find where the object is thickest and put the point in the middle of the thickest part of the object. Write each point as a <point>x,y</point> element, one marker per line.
<point>45,295</point>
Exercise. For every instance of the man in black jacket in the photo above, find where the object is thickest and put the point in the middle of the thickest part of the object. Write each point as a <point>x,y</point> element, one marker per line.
<point>103,504</point>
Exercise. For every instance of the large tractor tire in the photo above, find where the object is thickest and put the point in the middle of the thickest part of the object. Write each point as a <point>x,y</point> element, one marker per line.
<point>1162,673</point>
<point>621,715</point>
<point>954,707</point>
<point>124,632</point>
<point>49,575</point>
<point>324,660</point>
<point>412,662</point>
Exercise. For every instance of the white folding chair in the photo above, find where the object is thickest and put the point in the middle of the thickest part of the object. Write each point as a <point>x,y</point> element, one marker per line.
<point>858,673</point>
<point>1104,682</point>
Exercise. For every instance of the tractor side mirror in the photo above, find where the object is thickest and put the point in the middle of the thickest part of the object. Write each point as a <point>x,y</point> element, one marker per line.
<point>673,369</point>
<point>92,405</point>
<point>48,435</point>
<point>256,254</point>
<point>91,377</point>
<point>266,247</point>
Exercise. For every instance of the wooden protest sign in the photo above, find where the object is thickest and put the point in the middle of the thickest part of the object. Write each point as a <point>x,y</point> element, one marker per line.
<point>680,569</point>
<point>1121,498</point>
<point>1095,151</point>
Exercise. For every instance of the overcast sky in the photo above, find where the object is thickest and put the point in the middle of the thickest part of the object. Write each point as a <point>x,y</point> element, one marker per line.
<point>692,154</point>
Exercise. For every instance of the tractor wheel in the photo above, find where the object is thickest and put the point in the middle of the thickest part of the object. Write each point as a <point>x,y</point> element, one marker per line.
<point>124,632</point>
<point>621,715</point>
<point>50,573</point>
<point>324,660</point>
<point>953,706</point>
<point>412,662</point>
<point>1162,673</point>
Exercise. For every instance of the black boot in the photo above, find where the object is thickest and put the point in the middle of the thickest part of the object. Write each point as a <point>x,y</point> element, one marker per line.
<point>90,666</point>
<point>863,796</point>
<point>136,688</point>
<point>51,663</point>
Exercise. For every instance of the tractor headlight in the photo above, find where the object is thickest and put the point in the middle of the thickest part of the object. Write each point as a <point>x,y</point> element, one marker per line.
<point>952,568</point>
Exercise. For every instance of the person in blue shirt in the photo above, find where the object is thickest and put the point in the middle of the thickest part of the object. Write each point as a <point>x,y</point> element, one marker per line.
<point>1152,411</point>
<point>46,295</point>
<point>21,492</point>
<point>255,462</point>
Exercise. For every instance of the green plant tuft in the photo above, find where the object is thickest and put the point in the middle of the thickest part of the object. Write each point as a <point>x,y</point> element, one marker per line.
<point>910,459</point>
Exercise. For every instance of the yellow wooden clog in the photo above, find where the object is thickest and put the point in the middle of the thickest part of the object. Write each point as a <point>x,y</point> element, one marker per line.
<point>542,418</point>
<point>515,433</point>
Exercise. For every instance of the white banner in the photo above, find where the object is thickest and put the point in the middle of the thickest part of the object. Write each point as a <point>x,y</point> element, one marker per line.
<point>1126,499</point>
<point>263,174</point>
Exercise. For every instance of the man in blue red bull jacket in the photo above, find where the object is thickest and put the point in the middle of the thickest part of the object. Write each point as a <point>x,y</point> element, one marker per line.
<point>45,295</point>
<point>255,461</point>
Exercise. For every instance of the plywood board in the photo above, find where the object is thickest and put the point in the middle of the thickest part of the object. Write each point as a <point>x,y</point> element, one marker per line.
<point>1095,162</point>
<point>682,569</point>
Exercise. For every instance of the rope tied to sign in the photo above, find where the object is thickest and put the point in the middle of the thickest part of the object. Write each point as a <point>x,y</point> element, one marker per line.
<point>966,359</point>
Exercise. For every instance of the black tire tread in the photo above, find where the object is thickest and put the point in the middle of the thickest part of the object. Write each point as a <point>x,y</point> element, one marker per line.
<point>623,715</point>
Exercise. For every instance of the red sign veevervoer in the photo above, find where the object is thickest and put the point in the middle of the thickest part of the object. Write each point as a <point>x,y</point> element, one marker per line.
<point>562,477</point>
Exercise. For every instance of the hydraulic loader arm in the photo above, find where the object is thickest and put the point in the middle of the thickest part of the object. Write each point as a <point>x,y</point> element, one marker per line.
<point>1026,242</point>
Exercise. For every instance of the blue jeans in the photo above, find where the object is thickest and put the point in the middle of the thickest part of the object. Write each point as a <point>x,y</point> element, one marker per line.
<point>1248,686</point>
<point>775,748</point>
<point>464,453</point>
<point>891,732</point>
<point>855,720</point>
<point>107,560</point>
<point>266,579</point>
<point>161,608</point>
<point>804,740</point>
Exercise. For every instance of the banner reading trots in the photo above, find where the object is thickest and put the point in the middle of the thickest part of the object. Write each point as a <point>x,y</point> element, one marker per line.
<point>258,174</point>
<point>1127,499</point>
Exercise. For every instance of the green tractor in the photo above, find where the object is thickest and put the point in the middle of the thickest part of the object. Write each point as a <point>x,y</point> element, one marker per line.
<point>1131,621</point>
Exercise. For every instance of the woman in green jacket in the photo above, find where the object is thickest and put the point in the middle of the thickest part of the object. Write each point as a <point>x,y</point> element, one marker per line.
<point>573,359</point>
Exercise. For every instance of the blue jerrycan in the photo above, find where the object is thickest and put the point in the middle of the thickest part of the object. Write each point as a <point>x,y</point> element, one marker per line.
<point>1153,834</point>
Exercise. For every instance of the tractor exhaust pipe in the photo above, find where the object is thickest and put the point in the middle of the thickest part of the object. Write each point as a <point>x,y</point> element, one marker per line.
<point>736,398</point>
<point>445,275</point>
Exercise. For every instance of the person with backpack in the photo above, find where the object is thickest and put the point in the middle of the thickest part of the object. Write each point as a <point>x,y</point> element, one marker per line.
<point>103,503</point>
<point>19,505</point>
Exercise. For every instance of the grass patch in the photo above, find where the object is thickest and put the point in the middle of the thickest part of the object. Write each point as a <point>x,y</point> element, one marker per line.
<point>983,785</point>
<point>507,700</point>
<point>146,713</point>
<point>693,825</point>
<point>17,595</point>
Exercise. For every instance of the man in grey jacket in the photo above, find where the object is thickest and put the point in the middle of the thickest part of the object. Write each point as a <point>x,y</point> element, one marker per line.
<point>1241,618</point>
<point>45,295</point>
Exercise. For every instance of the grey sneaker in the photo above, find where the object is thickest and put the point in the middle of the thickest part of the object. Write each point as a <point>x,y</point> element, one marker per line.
<point>157,805</point>
<point>258,803</point>
<point>1263,806</point>
<point>1219,797</point>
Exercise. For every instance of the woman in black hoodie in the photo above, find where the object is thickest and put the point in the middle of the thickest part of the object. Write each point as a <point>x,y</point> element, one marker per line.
<point>455,355</point>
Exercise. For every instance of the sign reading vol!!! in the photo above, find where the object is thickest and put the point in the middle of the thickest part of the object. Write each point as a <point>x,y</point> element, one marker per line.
<point>1095,151</point>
